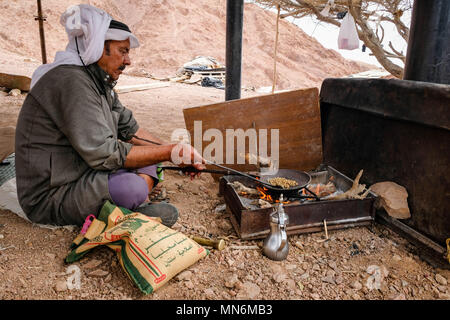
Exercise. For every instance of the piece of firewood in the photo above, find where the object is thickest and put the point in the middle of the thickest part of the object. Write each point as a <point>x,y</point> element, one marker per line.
<point>240,188</point>
<point>262,203</point>
<point>354,191</point>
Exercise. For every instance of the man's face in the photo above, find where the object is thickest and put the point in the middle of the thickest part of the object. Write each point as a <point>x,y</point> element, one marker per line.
<point>115,57</point>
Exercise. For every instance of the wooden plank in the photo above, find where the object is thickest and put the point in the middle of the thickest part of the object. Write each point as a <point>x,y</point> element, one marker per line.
<point>295,113</point>
<point>13,81</point>
<point>140,87</point>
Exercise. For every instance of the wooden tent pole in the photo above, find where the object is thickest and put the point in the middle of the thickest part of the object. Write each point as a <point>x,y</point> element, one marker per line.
<point>275,52</point>
<point>41,31</point>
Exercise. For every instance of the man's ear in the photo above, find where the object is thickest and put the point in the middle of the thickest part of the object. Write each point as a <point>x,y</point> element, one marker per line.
<point>107,48</point>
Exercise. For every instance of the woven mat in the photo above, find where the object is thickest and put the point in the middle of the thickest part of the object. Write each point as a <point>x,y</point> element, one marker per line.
<point>8,171</point>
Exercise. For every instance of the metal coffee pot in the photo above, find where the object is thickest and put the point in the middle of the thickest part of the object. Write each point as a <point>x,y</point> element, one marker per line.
<point>276,245</point>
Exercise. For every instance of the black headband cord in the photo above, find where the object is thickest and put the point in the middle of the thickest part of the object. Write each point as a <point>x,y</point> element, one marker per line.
<point>102,92</point>
<point>114,24</point>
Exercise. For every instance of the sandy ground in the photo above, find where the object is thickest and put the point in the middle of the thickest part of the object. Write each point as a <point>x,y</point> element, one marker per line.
<point>32,267</point>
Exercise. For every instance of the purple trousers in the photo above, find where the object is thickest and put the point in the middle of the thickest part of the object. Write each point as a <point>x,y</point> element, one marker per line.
<point>127,189</point>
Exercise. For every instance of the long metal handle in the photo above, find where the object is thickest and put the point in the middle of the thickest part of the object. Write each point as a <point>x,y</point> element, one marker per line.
<point>243,174</point>
<point>192,169</point>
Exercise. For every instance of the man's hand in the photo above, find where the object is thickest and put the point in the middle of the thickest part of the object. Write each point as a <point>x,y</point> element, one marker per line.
<point>185,155</point>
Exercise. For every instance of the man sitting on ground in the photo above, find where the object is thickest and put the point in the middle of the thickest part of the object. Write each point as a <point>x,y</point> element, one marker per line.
<point>76,144</point>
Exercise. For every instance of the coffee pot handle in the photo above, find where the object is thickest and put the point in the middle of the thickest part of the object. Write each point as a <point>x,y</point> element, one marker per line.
<point>283,238</point>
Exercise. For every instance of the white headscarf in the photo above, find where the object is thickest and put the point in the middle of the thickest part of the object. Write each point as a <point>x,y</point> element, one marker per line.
<point>89,25</point>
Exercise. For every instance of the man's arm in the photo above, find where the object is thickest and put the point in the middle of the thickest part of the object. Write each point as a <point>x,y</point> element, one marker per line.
<point>142,156</point>
<point>183,155</point>
<point>145,134</point>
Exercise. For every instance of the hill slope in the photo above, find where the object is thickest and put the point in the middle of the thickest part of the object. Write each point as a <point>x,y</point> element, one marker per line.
<point>174,32</point>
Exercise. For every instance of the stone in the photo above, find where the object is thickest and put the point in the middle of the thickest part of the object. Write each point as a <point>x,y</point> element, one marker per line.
<point>251,289</point>
<point>249,278</point>
<point>396,258</point>
<point>331,273</point>
<point>305,276</point>
<point>315,296</point>
<point>108,278</point>
<point>329,279</point>
<point>290,284</point>
<point>440,279</point>
<point>24,284</point>
<point>220,208</point>
<point>291,267</point>
<point>299,245</point>
<point>442,288</point>
<point>98,273</point>
<point>14,92</point>
<point>332,265</point>
<point>185,275</point>
<point>189,284</point>
<point>209,293</point>
<point>92,264</point>
<point>230,283</point>
<point>378,273</point>
<point>393,198</point>
<point>357,285</point>
<point>401,296</point>
<point>393,289</point>
<point>61,286</point>
<point>279,277</point>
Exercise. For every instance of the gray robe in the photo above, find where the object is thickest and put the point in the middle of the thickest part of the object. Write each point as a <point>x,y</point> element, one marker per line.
<point>69,138</point>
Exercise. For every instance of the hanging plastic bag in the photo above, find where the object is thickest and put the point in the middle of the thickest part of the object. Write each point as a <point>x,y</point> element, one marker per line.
<point>326,11</point>
<point>348,35</point>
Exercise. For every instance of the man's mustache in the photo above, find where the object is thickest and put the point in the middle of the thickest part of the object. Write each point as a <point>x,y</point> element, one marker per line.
<point>122,67</point>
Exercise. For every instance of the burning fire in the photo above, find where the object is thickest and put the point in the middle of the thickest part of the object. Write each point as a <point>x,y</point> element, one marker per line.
<point>264,195</point>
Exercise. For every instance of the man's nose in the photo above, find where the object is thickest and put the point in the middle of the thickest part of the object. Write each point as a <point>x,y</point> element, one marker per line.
<point>126,60</point>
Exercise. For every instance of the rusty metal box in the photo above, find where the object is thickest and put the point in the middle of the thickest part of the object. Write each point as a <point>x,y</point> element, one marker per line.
<point>251,222</point>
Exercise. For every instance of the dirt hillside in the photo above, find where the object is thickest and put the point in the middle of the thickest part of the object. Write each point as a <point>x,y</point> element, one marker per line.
<point>174,32</point>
